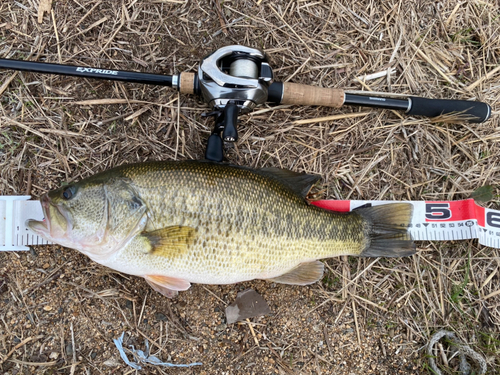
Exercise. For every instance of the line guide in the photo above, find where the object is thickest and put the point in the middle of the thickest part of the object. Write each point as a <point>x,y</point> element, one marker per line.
<point>431,221</point>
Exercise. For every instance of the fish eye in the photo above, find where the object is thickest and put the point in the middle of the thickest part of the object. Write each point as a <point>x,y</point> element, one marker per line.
<point>68,193</point>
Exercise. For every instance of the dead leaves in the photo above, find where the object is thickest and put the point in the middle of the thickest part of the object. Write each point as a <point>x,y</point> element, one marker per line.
<point>45,6</point>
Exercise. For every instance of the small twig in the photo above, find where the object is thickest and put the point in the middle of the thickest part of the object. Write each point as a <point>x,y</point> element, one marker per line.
<point>73,365</point>
<point>356,322</point>
<point>443,354</point>
<point>330,118</point>
<point>24,342</point>
<point>223,22</point>
<point>57,35</point>
<point>213,294</point>
<point>253,332</point>
<point>53,363</point>
<point>383,73</point>
<point>327,340</point>
<point>7,82</point>
<point>483,78</point>
<point>176,324</point>
<point>138,322</point>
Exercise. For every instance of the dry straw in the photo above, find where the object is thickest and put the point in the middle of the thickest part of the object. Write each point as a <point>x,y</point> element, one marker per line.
<point>366,316</point>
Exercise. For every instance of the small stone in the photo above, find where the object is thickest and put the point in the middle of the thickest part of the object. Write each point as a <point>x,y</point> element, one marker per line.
<point>160,316</point>
<point>112,362</point>
<point>45,266</point>
<point>54,355</point>
<point>69,349</point>
<point>47,308</point>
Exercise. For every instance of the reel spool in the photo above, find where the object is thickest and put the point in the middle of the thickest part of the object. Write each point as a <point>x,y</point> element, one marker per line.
<point>235,73</point>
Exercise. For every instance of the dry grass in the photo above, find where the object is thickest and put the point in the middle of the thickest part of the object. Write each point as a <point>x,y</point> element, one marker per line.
<point>59,313</point>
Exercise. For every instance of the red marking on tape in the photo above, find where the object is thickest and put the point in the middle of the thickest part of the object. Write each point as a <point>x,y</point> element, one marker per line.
<point>333,205</point>
<point>458,211</point>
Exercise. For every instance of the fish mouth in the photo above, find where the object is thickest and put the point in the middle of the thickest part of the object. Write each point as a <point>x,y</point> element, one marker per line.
<point>37,226</point>
<point>56,222</point>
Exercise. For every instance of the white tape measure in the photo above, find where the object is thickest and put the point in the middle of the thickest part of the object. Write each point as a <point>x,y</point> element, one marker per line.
<point>432,221</point>
<point>14,211</point>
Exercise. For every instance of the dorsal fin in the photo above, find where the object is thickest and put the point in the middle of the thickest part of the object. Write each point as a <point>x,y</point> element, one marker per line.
<point>300,183</point>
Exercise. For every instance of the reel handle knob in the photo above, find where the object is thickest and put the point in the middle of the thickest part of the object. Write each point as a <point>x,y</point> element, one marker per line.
<point>231,111</point>
<point>214,151</point>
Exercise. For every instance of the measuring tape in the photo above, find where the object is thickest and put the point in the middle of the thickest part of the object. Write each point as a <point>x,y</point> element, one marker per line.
<point>14,211</point>
<point>431,221</point>
<point>440,220</point>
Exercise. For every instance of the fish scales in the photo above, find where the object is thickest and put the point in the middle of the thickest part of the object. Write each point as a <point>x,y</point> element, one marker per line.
<point>248,225</point>
<point>175,223</point>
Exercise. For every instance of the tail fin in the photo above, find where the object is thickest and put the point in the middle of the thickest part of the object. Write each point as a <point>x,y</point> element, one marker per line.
<point>387,230</point>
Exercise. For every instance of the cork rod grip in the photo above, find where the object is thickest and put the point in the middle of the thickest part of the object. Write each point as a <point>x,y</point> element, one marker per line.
<point>298,94</point>
<point>186,83</point>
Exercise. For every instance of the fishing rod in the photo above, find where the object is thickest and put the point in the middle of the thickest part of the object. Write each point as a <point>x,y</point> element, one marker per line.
<point>233,80</point>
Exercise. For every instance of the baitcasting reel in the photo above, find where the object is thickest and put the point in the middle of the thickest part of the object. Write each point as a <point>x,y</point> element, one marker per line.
<point>233,80</point>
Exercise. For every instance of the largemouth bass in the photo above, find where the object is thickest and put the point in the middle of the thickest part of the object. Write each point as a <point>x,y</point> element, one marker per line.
<point>177,223</point>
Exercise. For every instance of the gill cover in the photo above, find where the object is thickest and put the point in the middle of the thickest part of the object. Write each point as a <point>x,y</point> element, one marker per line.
<point>94,216</point>
<point>125,216</point>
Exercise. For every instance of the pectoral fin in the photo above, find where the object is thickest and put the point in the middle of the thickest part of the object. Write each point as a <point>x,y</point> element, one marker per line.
<point>168,286</point>
<point>303,274</point>
<point>172,241</point>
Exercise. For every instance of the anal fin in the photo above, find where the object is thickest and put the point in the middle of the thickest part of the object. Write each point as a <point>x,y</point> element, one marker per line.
<point>303,274</point>
<point>168,286</point>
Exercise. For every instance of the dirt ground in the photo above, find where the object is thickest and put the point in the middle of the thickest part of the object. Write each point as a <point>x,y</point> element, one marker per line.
<point>59,312</point>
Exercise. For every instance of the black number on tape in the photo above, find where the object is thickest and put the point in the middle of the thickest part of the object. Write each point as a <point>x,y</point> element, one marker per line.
<point>437,211</point>
<point>493,219</point>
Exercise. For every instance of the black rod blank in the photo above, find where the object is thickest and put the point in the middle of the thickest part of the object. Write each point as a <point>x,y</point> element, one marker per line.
<point>86,72</point>
<point>377,102</point>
